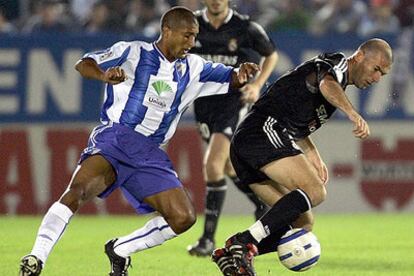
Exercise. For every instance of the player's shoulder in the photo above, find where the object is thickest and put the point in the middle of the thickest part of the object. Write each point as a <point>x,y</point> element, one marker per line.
<point>241,17</point>
<point>333,58</point>
<point>198,13</point>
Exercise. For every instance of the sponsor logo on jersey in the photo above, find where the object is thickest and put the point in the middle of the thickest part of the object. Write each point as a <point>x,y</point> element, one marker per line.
<point>232,46</point>
<point>227,60</point>
<point>157,102</point>
<point>322,114</point>
<point>161,87</point>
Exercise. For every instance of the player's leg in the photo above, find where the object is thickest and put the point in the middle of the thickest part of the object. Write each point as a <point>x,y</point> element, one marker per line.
<point>261,207</point>
<point>271,193</point>
<point>90,178</point>
<point>307,190</point>
<point>176,215</point>
<point>215,159</point>
<point>153,186</point>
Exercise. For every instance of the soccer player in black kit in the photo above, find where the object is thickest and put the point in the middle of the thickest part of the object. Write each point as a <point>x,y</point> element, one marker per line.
<point>230,38</point>
<point>272,150</point>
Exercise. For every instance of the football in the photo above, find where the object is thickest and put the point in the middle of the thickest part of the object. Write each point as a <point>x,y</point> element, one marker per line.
<point>299,249</point>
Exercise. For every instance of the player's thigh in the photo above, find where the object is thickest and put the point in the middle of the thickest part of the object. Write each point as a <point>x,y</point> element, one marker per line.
<point>292,172</point>
<point>93,175</point>
<point>266,192</point>
<point>171,203</point>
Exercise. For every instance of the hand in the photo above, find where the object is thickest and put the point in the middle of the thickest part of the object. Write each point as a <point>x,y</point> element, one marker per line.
<point>361,128</point>
<point>250,93</point>
<point>114,75</point>
<point>247,71</point>
<point>320,167</point>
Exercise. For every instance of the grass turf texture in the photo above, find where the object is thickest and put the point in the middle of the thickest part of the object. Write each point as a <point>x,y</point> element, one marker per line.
<point>351,245</point>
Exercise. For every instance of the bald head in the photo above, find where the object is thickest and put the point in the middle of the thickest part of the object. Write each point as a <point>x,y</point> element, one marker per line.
<point>178,17</point>
<point>375,46</point>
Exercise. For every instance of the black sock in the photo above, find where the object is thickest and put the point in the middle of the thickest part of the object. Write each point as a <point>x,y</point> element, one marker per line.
<point>286,210</point>
<point>249,193</point>
<point>216,192</point>
<point>269,244</point>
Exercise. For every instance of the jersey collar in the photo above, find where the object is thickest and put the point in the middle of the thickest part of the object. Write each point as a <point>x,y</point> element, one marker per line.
<point>229,16</point>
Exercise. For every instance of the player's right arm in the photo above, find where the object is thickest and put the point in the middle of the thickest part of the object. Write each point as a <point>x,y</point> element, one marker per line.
<point>335,95</point>
<point>105,65</point>
<point>89,69</point>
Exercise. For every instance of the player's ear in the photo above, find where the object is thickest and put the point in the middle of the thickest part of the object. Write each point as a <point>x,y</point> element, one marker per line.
<point>359,56</point>
<point>166,31</point>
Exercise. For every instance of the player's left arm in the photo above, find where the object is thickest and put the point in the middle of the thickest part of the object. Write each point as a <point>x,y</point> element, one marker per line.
<point>262,44</point>
<point>251,91</point>
<point>336,96</point>
<point>312,154</point>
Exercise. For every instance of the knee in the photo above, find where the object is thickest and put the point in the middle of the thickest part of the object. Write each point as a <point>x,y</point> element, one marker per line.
<point>316,192</point>
<point>214,170</point>
<point>76,194</point>
<point>181,221</point>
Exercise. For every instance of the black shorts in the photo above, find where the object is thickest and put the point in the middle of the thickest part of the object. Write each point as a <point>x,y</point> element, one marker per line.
<point>259,140</point>
<point>218,114</point>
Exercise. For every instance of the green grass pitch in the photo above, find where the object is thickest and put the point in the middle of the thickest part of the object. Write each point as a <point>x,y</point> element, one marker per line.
<point>379,244</point>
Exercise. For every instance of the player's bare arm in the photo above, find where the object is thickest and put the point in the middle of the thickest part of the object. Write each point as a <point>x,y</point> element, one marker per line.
<point>251,91</point>
<point>312,154</point>
<point>335,95</point>
<point>88,68</point>
<point>243,74</point>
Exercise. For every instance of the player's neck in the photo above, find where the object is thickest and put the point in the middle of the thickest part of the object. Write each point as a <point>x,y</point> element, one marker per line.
<point>216,20</point>
<point>351,67</point>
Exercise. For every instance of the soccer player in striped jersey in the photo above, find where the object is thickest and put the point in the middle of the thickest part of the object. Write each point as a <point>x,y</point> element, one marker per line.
<point>272,150</point>
<point>148,87</point>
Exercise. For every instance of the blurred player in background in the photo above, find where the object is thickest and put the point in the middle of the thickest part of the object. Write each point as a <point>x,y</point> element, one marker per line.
<point>272,151</point>
<point>148,87</point>
<point>230,38</point>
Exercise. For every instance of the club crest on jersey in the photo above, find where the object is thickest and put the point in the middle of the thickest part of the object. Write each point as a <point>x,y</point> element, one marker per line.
<point>106,55</point>
<point>161,87</point>
<point>232,46</point>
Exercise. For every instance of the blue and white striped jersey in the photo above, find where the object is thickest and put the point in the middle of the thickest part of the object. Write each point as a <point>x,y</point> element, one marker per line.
<point>156,92</point>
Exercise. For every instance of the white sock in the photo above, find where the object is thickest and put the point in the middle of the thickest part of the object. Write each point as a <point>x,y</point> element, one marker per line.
<point>258,231</point>
<point>155,232</point>
<point>51,229</point>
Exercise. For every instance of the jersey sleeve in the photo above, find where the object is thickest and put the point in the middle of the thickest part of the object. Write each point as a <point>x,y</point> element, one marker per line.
<point>260,41</point>
<point>211,78</point>
<point>116,55</point>
<point>334,65</point>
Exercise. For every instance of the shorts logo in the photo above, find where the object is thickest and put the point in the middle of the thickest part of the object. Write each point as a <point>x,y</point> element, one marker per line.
<point>161,87</point>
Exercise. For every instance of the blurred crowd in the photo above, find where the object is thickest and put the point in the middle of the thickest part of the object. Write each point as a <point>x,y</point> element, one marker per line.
<point>362,17</point>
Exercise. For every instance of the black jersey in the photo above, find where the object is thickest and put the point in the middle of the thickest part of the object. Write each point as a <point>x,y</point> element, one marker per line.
<point>237,40</point>
<point>295,99</point>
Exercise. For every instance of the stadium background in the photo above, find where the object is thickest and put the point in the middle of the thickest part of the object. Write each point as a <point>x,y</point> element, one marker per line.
<point>47,111</point>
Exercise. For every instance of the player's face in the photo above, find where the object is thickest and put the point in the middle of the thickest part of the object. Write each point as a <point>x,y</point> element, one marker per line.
<point>371,69</point>
<point>182,39</point>
<point>216,7</point>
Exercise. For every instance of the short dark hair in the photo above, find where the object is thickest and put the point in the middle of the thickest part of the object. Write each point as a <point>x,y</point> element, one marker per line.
<point>377,45</point>
<point>176,16</point>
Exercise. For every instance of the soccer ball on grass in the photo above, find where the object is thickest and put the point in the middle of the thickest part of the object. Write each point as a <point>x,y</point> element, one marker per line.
<point>299,249</point>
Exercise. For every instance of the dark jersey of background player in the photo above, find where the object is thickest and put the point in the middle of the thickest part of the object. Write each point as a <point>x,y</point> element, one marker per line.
<point>231,38</point>
<point>237,40</point>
